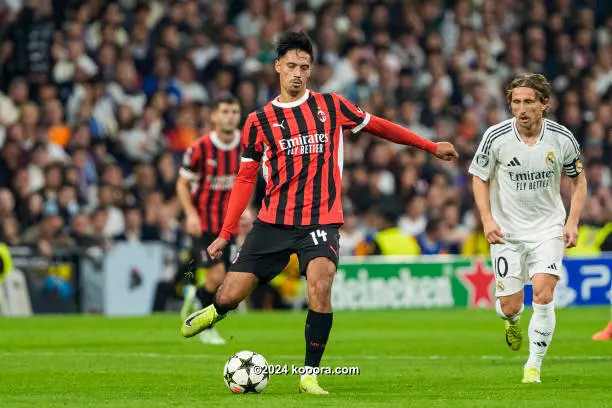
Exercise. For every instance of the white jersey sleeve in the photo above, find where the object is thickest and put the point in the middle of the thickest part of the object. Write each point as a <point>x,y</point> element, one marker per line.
<point>571,153</point>
<point>570,149</point>
<point>485,159</point>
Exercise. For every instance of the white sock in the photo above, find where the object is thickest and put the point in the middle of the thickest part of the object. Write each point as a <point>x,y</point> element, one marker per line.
<point>541,330</point>
<point>309,371</point>
<point>501,314</point>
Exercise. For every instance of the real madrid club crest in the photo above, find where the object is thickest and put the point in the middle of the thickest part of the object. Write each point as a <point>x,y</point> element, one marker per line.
<point>579,166</point>
<point>321,115</point>
<point>500,285</point>
<point>550,158</point>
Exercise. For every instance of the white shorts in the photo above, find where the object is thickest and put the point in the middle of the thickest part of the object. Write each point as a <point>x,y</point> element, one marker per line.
<point>516,262</point>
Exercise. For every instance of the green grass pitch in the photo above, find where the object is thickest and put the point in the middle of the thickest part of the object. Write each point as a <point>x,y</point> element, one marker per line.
<point>407,358</point>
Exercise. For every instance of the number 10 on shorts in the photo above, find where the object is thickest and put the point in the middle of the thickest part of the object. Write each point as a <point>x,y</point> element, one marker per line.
<point>319,234</point>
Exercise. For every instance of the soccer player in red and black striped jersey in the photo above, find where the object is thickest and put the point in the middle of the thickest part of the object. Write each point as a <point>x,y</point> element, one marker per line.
<point>297,138</point>
<point>206,177</point>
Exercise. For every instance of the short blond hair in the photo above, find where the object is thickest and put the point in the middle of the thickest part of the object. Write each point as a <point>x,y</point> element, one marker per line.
<point>537,82</point>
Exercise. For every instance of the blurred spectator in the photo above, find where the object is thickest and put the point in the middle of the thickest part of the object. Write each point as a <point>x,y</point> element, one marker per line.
<point>114,224</point>
<point>388,238</point>
<point>351,234</point>
<point>48,234</point>
<point>476,242</point>
<point>414,221</point>
<point>7,204</point>
<point>592,232</point>
<point>166,175</point>
<point>135,229</point>
<point>125,91</point>
<point>184,132</point>
<point>81,231</point>
<point>99,221</point>
<point>9,162</point>
<point>431,241</point>
<point>453,232</point>
<point>169,229</point>
<point>10,232</point>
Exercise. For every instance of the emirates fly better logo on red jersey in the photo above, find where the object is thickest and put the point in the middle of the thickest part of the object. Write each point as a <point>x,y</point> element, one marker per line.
<point>304,144</point>
<point>222,182</point>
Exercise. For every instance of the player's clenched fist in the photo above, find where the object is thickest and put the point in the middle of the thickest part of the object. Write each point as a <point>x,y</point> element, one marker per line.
<point>215,250</point>
<point>446,151</point>
<point>492,231</point>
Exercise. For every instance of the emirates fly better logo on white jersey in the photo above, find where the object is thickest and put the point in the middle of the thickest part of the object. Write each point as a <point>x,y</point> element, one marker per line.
<point>304,144</point>
<point>532,180</point>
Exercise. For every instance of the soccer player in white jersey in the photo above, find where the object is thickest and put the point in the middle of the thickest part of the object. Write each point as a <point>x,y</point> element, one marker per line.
<point>517,173</point>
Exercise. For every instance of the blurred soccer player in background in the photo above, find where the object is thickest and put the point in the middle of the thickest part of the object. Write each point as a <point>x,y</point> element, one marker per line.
<point>206,177</point>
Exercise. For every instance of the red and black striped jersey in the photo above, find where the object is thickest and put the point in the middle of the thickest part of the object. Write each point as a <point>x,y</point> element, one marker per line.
<point>212,167</point>
<point>300,144</point>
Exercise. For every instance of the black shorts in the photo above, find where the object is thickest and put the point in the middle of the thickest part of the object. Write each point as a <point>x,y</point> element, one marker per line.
<point>200,255</point>
<point>267,248</point>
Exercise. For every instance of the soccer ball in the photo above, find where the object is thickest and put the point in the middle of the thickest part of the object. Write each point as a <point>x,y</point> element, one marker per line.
<point>246,371</point>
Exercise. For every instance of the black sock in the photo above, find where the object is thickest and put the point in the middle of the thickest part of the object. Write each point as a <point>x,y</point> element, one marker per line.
<point>205,296</point>
<point>222,309</point>
<point>318,326</point>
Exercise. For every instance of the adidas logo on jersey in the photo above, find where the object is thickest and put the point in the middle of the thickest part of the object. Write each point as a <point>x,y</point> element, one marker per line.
<point>514,162</point>
<point>552,267</point>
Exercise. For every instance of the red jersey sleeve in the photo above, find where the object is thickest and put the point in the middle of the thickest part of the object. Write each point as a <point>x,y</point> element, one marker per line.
<point>252,142</point>
<point>350,115</point>
<point>192,161</point>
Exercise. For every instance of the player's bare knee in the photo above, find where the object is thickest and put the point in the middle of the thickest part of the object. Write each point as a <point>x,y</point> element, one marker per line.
<point>321,269</point>
<point>543,288</point>
<point>510,307</point>
<point>543,296</point>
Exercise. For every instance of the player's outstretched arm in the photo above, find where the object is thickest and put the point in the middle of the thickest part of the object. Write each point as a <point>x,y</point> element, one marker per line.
<point>397,134</point>
<point>238,202</point>
<point>579,193</point>
<point>492,231</point>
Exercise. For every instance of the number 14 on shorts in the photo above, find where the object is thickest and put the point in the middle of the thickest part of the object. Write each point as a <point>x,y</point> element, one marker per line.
<point>318,234</point>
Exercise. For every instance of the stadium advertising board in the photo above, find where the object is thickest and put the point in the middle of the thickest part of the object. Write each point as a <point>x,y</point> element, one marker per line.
<point>447,281</point>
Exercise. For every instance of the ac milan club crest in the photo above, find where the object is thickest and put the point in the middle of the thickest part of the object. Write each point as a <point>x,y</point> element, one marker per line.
<point>322,116</point>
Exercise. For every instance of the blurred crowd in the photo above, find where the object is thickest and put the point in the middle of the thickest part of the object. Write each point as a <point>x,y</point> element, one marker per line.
<point>98,100</point>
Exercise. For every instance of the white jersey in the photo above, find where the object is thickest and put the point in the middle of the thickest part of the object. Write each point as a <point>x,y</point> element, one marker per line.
<point>525,181</point>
